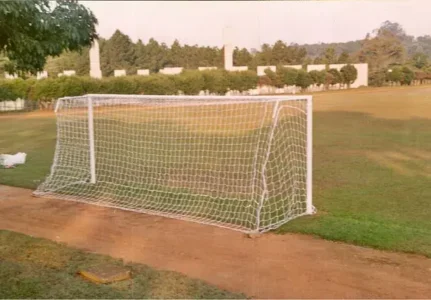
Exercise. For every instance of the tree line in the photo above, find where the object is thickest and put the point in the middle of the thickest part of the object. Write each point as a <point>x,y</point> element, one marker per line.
<point>385,47</point>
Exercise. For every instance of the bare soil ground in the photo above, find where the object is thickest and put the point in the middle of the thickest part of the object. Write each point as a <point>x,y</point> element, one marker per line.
<point>271,266</point>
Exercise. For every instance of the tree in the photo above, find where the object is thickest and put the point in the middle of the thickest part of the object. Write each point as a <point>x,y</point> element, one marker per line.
<point>420,60</point>
<point>348,74</point>
<point>289,75</point>
<point>303,79</point>
<point>120,52</point>
<point>336,76</point>
<point>330,57</point>
<point>394,28</point>
<point>343,58</point>
<point>381,51</point>
<point>30,31</point>
<point>395,75</point>
<point>408,76</point>
<point>274,77</point>
<point>318,61</point>
<point>318,77</point>
<point>241,57</point>
<point>377,78</point>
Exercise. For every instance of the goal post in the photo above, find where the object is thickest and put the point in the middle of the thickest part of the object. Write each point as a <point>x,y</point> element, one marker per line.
<point>240,162</point>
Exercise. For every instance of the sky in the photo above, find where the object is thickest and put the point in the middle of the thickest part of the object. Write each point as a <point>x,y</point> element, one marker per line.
<point>256,22</point>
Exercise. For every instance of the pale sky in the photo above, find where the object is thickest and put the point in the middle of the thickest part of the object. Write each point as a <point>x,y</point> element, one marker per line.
<point>257,22</point>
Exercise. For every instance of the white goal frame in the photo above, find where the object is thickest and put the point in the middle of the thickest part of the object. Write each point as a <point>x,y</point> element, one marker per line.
<point>89,106</point>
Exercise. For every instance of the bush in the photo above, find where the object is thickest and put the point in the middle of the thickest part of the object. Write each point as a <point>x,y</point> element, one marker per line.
<point>336,76</point>
<point>215,81</point>
<point>264,80</point>
<point>118,85</point>
<point>420,75</point>
<point>395,75</point>
<point>242,81</point>
<point>304,79</point>
<point>403,75</point>
<point>377,78</point>
<point>408,76</point>
<point>290,75</point>
<point>274,78</point>
<point>348,74</point>
<point>318,76</point>
<point>158,84</point>
<point>15,88</point>
<point>189,82</point>
<point>46,89</point>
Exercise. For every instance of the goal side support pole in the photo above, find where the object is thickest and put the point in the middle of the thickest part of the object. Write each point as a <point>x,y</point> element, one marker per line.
<point>265,162</point>
<point>91,141</point>
<point>309,206</point>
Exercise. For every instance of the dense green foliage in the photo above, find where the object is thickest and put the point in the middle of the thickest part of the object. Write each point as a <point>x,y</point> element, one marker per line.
<point>348,74</point>
<point>30,31</point>
<point>189,82</point>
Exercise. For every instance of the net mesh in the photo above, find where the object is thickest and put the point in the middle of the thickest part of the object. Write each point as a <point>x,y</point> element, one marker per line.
<point>236,162</point>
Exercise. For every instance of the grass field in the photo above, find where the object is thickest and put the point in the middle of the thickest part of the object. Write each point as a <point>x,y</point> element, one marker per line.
<point>372,163</point>
<point>48,270</point>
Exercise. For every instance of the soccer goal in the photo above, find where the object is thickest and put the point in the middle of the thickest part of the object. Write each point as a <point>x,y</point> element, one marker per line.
<point>242,162</point>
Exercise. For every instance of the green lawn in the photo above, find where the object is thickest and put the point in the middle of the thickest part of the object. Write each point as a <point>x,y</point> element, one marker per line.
<point>41,269</point>
<point>372,166</point>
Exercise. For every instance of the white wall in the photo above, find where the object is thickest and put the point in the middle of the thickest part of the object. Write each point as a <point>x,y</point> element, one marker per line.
<point>10,76</point>
<point>143,72</point>
<point>171,71</point>
<point>261,69</point>
<point>361,80</point>
<point>41,75</point>
<point>316,68</point>
<point>238,68</point>
<point>362,76</point>
<point>18,104</point>
<point>297,67</point>
<point>69,73</point>
<point>118,73</point>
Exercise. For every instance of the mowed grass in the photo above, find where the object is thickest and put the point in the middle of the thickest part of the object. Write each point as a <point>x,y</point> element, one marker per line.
<point>41,269</point>
<point>372,166</point>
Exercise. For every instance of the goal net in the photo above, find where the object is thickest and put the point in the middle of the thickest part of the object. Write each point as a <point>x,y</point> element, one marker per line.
<point>239,162</point>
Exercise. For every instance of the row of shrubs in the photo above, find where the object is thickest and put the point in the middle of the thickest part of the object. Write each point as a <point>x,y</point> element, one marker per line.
<point>188,82</point>
<point>288,76</point>
<point>400,74</point>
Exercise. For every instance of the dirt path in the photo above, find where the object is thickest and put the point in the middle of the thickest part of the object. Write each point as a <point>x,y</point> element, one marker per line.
<point>273,266</point>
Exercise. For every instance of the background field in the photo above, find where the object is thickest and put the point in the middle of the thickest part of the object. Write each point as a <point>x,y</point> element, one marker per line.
<point>372,163</point>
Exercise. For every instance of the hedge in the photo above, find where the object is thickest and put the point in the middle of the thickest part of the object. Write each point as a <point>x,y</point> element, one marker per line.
<point>188,82</point>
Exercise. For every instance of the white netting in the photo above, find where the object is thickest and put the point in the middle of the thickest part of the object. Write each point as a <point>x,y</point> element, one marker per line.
<point>236,162</point>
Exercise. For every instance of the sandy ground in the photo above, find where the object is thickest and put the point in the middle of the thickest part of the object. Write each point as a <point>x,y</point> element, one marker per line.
<point>271,266</point>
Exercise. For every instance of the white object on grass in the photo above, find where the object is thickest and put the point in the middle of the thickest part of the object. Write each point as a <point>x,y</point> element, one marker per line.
<point>9,160</point>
